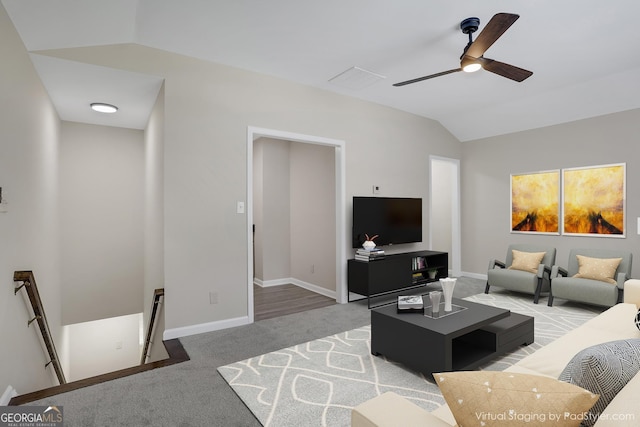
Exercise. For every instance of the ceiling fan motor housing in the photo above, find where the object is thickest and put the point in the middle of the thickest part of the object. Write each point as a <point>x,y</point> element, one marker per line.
<point>470,25</point>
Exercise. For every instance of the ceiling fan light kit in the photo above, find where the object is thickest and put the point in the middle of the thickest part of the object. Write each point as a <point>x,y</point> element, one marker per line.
<point>472,58</point>
<point>470,65</point>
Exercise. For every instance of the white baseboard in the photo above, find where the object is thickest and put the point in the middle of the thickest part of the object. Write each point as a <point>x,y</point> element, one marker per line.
<point>9,393</point>
<point>475,275</point>
<point>204,327</point>
<point>293,281</point>
<point>314,288</point>
<point>273,282</point>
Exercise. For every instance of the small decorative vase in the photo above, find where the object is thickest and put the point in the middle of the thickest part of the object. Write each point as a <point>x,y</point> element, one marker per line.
<point>448,284</point>
<point>368,245</point>
<point>434,296</point>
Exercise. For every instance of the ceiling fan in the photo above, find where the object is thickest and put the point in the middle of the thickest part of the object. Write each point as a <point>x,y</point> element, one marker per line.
<point>473,59</point>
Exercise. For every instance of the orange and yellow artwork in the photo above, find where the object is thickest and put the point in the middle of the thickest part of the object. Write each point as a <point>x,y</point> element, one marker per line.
<point>535,202</point>
<point>594,200</point>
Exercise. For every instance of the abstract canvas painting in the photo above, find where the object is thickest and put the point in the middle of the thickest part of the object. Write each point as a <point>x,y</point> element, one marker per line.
<point>594,200</point>
<point>535,202</point>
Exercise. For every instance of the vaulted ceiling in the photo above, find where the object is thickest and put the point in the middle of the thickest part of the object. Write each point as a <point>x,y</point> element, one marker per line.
<point>583,54</point>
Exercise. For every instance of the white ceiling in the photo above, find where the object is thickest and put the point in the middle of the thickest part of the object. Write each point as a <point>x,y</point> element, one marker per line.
<point>583,53</point>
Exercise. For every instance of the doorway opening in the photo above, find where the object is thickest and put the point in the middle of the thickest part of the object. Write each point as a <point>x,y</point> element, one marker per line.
<point>254,134</point>
<point>444,210</point>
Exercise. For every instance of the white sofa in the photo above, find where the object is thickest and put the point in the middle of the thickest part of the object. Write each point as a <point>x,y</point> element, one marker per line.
<point>616,323</point>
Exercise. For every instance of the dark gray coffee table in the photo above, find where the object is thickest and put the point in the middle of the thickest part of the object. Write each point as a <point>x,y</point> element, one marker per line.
<point>463,340</point>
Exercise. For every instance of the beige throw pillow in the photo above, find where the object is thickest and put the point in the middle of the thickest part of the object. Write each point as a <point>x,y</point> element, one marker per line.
<point>511,399</point>
<point>526,261</point>
<point>603,269</point>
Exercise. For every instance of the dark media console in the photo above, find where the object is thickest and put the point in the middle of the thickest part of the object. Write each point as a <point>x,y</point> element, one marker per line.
<point>395,273</point>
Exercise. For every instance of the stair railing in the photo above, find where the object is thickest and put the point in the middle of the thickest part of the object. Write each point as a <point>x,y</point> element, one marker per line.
<point>158,295</point>
<point>29,284</point>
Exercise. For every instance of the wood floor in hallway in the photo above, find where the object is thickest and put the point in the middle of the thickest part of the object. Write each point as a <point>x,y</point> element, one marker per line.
<point>275,301</point>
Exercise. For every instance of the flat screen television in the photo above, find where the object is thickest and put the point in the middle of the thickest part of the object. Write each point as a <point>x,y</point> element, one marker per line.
<point>394,219</point>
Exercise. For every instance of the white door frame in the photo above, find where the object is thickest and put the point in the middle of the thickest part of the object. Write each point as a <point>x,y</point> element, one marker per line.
<point>254,133</point>
<point>456,235</point>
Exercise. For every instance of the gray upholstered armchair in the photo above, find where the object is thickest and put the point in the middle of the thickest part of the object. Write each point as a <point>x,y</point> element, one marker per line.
<point>527,268</point>
<point>599,282</point>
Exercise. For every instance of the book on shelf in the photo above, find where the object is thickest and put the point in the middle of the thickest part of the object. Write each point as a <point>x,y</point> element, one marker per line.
<point>417,277</point>
<point>419,263</point>
<point>410,302</point>
<point>364,255</point>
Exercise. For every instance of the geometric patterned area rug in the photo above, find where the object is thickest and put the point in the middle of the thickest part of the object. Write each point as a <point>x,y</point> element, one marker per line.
<point>317,383</point>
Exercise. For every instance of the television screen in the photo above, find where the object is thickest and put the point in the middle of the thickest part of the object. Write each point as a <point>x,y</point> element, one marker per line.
<point>394,219</point>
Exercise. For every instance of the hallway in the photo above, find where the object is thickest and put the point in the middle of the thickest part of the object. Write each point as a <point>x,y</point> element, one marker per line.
<point>275,301</point>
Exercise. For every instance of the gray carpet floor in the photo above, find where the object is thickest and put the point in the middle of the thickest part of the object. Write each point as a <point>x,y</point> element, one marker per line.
<point>193,394</point>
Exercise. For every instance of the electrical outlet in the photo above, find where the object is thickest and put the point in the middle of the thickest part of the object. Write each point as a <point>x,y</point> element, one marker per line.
<point>213,297</point>
<point>3,203</point>
<point>240,208</point>
<point>376,189</point>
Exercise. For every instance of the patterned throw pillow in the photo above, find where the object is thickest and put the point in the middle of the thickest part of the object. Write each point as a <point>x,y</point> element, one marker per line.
<point>638,319</point>
<point>526,261</point>
<point>603,269</point>
<point>603,369</point>
<point>512,399</point>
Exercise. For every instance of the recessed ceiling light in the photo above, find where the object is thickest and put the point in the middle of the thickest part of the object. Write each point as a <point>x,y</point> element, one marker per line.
<point>104,108</point>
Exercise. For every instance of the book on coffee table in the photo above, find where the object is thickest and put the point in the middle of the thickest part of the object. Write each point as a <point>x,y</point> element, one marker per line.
<point>410,303</point>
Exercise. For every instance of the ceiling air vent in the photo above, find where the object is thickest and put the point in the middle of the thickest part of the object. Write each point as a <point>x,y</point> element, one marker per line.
<point>356,78</point>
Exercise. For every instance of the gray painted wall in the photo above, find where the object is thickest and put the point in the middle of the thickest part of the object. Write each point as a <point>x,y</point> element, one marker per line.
<point>101,222</point>
<point>29,146</point>
<point>207,110</point>
<point>488,163</point>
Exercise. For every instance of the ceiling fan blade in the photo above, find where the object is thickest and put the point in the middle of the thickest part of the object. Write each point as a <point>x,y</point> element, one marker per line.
<point>490,33</point>
<point>505,70</point>
<point>419,79</point>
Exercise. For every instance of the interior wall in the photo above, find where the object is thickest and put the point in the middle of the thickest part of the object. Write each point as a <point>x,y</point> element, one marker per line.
<point>101,222</point>
<point>488,164</point>
<point>258,245</point>
<point>313,216</point>
<point>154,217</point>
<point>442,187</point>
<point>116,346</point>
<point>208,108</point>
<point>294,210</point>
<point>275,231</point>
<point>29,145</point>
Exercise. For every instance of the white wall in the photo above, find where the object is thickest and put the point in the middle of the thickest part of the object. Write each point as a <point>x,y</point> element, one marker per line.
<point>29,144</point>
<point>294,212</point>
<point>154,220</point>
<point>275,232</point>
<point>208,108</point>
<point>102,221</point>
<point>488,163</point>
<point>442,187</point>
<point>258,245</point>
<point>102,346</point>
<point>313,213</point>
